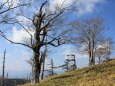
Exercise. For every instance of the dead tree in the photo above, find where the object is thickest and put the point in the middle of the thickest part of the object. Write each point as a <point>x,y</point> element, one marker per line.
<point>7,76</point>
<point>70,63</point>
<point>72,59</point>
<point>3,70</point>
<point>51,68</point>
<point>66,65</point>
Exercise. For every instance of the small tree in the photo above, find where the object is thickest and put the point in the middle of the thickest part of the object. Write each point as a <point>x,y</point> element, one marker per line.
<point>51,68</point>
<point>99,53</point>
<point>109,47</point>
<point>105,50</point>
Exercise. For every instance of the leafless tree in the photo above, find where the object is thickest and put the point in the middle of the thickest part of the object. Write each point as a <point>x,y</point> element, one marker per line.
<point>51,68</point>
<point>45,23</point>
<point>105,50</point>
<point>88,35</point>
<point>109,47</point>
<point>99,53</point>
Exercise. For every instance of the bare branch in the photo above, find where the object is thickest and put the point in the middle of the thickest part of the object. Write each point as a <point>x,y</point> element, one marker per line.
<point>12,8</point>
<point>1,33</point>
<point>31,37</point>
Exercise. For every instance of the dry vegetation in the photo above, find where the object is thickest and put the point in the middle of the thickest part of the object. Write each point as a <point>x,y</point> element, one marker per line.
<point>99,75</point>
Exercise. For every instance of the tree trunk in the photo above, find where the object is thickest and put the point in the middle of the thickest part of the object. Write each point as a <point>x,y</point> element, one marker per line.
<point>90,59</point>
<point>90,51</point>
<point>93,51</point>
<point>36,59</point>
<point>99,59</point>
<point>36,69</point>
<point>43,66</point>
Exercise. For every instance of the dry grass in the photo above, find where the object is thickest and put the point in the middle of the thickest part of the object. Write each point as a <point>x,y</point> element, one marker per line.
<point>99,75</point>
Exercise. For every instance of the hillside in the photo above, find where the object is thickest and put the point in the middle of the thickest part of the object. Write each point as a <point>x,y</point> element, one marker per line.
<point>99,75</point>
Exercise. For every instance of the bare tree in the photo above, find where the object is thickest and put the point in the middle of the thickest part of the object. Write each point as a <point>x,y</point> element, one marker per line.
<point>109,47</point>
<point>99,53</point>
<point>51,68</point>
<point>88,35</point>
<point>105,49</point>
<point>45,23</point>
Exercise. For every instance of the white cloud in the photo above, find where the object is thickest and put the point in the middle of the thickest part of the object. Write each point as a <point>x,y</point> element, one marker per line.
<point>68,50</point>
<point>87,6</point>
<point>17,65</point>
<point>83,6</point>
<point>19,35</point>
<point>60,3</point>
<point>14,63</point>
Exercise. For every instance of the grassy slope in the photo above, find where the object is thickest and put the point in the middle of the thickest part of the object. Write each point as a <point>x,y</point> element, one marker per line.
<point>99,75</point>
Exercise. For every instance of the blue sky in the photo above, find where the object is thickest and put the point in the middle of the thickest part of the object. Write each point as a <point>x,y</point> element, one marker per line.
<point>17,55</point>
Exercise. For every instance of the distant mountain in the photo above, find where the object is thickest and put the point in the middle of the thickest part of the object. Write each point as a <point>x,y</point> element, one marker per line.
<point>14,82</point>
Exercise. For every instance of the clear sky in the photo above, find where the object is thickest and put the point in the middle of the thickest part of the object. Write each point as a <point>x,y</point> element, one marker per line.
<point>16,57</point>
